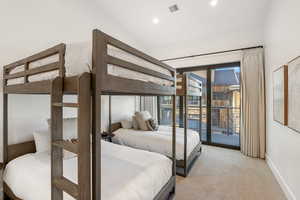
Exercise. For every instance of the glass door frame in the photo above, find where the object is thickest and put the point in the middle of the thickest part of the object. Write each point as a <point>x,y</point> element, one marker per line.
<point>208,69</point>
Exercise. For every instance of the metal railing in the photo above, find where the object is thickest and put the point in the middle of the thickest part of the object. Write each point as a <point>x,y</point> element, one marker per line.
<point>225,119</point>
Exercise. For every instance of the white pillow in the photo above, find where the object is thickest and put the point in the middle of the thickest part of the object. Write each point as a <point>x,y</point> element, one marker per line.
<point>126,124</point>
<point>69,132</point>
<point>43,144</point>
<point>141,118</point>
<point>42,140</point>
<point>69,128</point>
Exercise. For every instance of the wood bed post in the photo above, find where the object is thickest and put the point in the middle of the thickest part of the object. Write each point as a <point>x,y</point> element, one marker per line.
<point>185,132</point>
<point>56,135</point>
<point>174,135</point>
<point>181,112</point>
<point>5,129</point>
<point>200,117</point>
<point>158,109</point>
<point>5,120</point>
<point>84,127</point>
<point>140,99</point>
<point>61,53</point>
<point>99,73</point>
<point>109,117</point>
<point>96,146</point>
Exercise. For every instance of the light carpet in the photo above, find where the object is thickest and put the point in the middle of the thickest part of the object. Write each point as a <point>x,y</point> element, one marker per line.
<point>222,174</point>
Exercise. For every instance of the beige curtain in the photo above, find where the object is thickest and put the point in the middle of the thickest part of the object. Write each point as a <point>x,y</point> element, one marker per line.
<point>253,120</point>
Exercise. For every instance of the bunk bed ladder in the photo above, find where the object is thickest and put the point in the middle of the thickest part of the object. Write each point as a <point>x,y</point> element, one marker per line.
<point>60,184</point>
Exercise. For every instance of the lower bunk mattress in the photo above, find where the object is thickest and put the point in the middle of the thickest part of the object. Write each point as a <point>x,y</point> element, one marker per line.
<point>158,141</point>
<point>125,174</point>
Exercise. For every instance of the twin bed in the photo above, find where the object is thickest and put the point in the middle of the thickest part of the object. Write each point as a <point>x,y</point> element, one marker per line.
<point>188,141</point>
<point>109,67</point>
<point>160,142</point>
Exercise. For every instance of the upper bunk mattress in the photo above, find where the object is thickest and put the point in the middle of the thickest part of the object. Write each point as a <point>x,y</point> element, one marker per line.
<point>78,59</point>
<point>158,141</point>
<point>125,174</point>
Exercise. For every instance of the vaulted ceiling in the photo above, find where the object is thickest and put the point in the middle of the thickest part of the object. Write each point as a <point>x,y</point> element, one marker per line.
<point>195,18</point>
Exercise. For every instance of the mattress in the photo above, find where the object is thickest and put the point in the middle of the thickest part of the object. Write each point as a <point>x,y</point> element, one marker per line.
<point>125,174</point>
<point>158,141</point>
<point>78,59</point>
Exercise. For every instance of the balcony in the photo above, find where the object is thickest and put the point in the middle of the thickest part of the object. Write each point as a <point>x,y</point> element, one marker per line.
<point>225,123</point>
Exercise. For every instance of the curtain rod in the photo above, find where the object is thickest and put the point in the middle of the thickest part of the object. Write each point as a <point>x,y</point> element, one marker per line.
<point>213,53</point>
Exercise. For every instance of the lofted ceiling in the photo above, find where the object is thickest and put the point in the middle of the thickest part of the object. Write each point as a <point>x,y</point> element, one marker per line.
<point>195,20</point>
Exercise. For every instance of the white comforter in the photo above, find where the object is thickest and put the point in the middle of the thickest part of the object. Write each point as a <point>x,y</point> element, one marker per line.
<point>126,174</point>
<point>158,141</point>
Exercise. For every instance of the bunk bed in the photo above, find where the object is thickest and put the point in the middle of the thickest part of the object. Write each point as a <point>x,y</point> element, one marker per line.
<point>116,69</point>
<point>188,142</point>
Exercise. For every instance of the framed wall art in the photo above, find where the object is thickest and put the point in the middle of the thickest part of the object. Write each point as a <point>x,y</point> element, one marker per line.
<point>280,95</point>
<point>294,94</point>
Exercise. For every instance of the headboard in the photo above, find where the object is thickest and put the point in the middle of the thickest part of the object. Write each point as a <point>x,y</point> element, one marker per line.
<point>116,126</point>
<point>17,150</point>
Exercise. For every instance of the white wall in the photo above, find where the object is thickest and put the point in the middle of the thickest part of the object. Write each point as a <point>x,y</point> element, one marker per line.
<point>33,25</point>
<point>214,42</point>
<point>282,43</point>
<point>235,56</point>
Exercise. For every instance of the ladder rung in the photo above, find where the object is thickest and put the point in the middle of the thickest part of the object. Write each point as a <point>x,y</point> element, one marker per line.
<point>67,145</point>
<point>66,186</point>
<point>73,105</point>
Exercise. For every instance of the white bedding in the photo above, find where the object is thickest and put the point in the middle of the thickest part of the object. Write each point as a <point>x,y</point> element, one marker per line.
<point>125,174</point>
<point>78,59</point>
<point>158,141</point>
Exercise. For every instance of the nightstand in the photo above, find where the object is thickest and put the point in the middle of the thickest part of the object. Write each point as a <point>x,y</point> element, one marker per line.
<point>107,136</point>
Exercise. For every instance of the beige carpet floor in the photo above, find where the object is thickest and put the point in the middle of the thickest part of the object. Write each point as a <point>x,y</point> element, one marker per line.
<point>222,174</point>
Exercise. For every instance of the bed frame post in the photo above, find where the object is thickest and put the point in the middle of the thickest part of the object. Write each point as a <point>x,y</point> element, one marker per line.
<point>5,128</point>
<point>109,116</point>
<point>96,146</point>
<point>99,73</point>
<point>200,117</point>
<point>5,120</point>
<point>174,135</point>
<point>84,127</point>
<point>185,133</point>
<point>56,135</point>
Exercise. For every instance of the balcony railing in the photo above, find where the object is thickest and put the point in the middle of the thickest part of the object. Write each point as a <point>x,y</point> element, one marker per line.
<point>224,120</point>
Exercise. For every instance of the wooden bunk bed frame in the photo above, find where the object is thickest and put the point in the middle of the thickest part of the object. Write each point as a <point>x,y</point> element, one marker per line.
<point>85,86</point>
<point>77,85</point>
<point>106,84</point>
<point>185,89</point>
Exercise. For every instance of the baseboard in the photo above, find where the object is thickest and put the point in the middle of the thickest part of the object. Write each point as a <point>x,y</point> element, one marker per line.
<point>286,189</point>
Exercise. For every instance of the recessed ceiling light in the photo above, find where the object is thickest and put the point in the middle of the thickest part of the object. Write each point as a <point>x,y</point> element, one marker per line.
<point>155,20</point>
<point>173,8</point>
<point>214,3</point>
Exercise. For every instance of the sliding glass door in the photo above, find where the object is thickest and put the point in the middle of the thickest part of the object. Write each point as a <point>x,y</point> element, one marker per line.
<point>220,118</point>
<point>225,106</point>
